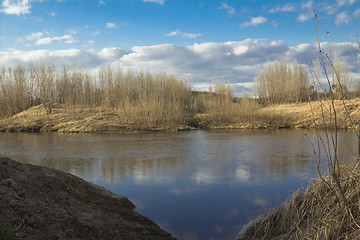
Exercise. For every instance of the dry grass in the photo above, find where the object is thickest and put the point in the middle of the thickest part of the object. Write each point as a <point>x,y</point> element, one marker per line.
<point>65,118</point>
<point>76,119</point>
<point>299,115</point>
<point>314,213</point>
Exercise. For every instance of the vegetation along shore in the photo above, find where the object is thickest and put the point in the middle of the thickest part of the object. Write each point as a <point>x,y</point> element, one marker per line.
<point>45,98</point>
<point>315,212</point>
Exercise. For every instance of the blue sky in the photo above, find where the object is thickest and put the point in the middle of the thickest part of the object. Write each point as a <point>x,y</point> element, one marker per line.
<point>201,40</point>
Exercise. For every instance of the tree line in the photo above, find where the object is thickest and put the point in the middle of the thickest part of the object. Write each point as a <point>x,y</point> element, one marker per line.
<point>159,99</point>
<point>139,98</point>
<point>281,82</point>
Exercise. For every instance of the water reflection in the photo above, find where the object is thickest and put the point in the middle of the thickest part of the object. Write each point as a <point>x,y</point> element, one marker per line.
<point>197,185</point>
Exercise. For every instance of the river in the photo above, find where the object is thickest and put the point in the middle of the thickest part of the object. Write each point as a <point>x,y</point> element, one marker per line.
<point>197,184</point>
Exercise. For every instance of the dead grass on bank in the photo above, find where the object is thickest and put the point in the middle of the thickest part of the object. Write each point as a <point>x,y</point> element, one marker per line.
<point>314,213</point>
<point>299,115</point>
<point>78,119</point>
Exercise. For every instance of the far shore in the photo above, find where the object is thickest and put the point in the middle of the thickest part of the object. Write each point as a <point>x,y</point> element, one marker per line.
<point>73,119</point>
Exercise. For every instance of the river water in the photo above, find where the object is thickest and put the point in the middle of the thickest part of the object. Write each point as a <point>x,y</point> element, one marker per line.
<point>196,185</point>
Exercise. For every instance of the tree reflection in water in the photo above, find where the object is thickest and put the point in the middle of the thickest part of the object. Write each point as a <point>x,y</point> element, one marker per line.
<point>206,184</point>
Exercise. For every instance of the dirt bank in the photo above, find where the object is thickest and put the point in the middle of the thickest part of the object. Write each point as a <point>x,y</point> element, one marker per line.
<point>41,203</point>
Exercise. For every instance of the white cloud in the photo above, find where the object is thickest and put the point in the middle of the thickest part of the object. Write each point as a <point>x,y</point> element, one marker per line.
<point>329,9</point>
<point>68,39</point>
<point>286,8</point>
<point>356,13</point>
<point>34,36</point>
<point>236,62</point>
<point>230,10</point>
<point>307,5</point>
<point>188,35</point>
<point>254,22</point>
<point>303,17</point>
<point>71,57</point>
<point>207,62</point>
<point>16,7</point>
<point>155,1</point>
<point>345,2</point>
<point>342,18</point>
<point>111,25</point>
<point>308,11</point>
<point>111,53</point>
<point>52,14</point>
<point>101,2</point>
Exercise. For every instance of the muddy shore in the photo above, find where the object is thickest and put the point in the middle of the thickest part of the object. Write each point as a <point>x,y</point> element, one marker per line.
<point>41,203</point>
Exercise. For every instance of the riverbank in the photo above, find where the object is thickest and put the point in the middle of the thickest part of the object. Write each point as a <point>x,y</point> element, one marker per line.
<point>296,115</point>
<point>76,119</point>
<point>41,203</point>
<point>313,213</point>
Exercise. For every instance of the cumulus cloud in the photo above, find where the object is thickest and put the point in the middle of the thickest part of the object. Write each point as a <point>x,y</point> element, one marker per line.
<point>71,57</point>
<point>230,10</point>
<point>111,54</point>
<point>16,7</point>
<point>68,39</point>
<point>188,35</point>
<point>155,1</point>
<point>254,22</point>
<point>236,62</point>
<point>111,25</point>
<point>205,63</point>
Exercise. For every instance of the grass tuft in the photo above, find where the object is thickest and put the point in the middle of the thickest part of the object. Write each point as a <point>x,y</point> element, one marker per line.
<point>314,213</point>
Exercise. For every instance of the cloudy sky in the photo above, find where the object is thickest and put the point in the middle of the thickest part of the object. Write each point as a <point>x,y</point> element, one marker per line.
<point>204,41</point>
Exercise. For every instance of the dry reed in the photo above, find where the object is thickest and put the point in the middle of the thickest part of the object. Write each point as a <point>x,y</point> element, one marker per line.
<point>315,212</point>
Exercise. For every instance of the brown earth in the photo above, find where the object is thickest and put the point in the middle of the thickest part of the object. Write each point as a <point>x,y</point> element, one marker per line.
<point>41,203</point>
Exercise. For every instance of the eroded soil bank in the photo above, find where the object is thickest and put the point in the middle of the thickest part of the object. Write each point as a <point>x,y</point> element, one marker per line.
<point>41,203</point>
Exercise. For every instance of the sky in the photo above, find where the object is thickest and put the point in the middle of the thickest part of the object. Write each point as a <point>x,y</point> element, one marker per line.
<point>204,41</point>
